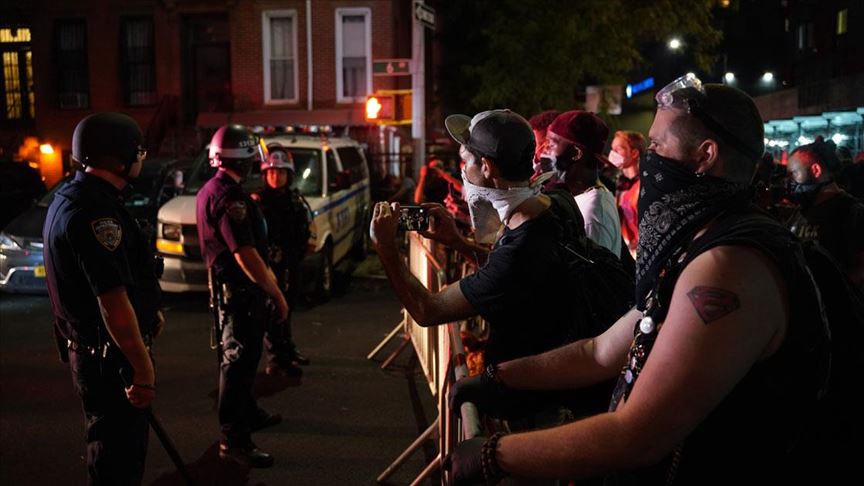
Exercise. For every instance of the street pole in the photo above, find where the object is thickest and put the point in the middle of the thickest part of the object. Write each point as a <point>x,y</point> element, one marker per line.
<point>418,96</point>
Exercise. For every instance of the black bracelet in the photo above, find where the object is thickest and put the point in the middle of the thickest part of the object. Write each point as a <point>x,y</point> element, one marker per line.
<point>492,473</point>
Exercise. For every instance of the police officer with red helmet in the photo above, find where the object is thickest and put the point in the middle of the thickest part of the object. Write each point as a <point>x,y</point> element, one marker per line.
<point>103,283</point>
<point>233,238</point>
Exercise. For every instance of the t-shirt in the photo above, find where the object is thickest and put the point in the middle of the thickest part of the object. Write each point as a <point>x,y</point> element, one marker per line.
<point>522,290</point>
<point>628,211</point>
<point>601,217</point>
<point>837,224</point>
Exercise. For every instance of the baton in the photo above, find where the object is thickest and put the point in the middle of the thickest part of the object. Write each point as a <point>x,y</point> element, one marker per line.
<point>167,444</point>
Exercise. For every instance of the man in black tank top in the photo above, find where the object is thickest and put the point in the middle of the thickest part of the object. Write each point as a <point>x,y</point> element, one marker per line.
<point>715,365</point>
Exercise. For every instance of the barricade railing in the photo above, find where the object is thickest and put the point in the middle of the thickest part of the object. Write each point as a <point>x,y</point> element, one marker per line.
<point>442,358</point>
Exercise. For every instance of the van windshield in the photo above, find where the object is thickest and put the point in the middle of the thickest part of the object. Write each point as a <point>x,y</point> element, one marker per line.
<point>307,163</point>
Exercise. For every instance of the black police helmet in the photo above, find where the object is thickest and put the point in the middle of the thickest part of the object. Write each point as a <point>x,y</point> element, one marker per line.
<point>232,144</point>
<point>104,135</point>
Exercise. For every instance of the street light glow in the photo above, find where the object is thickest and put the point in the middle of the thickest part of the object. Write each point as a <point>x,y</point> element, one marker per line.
<point>729,77</point>
<point>767,77</point>
<point>675,43</point>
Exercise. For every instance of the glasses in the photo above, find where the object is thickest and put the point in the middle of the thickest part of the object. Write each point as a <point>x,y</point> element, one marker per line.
<point>688,93</point>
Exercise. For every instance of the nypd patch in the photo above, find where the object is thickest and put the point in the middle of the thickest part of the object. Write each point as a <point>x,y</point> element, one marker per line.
<point>237,211</point>
<point>108,232</point>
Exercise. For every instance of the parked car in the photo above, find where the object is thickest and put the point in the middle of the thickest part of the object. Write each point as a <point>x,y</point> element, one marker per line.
<point>333,176</point>
<point>21,264</point>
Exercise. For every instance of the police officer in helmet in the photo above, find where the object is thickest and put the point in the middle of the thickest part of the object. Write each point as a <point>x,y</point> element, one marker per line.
<point>287,216</point>
<point>233,237</point>
<point>103,283</point>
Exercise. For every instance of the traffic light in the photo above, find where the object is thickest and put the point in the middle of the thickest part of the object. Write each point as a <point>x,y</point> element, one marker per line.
<point>389,107</point>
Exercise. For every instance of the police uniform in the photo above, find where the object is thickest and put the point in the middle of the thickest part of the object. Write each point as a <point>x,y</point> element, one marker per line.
<point>227,220</point>
<point>287,216</point>
<point>93,245</point>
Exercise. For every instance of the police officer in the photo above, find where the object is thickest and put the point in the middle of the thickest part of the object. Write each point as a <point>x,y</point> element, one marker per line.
<point>288,218</point>
<point>233,239</point>
<point>104,290</point>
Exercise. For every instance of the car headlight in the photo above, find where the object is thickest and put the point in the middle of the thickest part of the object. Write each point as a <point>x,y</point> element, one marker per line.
<point>7,243</point>
<point>171,231</point>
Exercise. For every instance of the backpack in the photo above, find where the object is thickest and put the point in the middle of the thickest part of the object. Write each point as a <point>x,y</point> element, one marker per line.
<point>603,287</point>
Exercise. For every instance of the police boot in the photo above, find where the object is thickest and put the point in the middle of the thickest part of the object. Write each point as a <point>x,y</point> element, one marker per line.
<point>264,419</point>
<point>284,368</point>
<point>249,456</point>
<point>299,359</point>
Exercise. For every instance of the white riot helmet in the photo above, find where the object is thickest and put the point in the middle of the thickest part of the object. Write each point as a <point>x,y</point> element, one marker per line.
<point>279,158</point>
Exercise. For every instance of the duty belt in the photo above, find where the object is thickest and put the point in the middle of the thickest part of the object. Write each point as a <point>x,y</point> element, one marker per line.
<point>101,351</point>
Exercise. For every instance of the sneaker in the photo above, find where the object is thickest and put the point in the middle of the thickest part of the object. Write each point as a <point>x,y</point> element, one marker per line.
<point>249,456</point>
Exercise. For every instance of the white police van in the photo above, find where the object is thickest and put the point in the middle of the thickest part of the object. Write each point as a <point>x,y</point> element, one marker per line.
<point>331,172</point>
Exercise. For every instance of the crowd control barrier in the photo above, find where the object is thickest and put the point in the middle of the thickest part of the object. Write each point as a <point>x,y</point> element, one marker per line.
<point>442,357</point>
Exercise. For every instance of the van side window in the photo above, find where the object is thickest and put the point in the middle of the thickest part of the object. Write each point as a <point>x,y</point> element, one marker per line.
<point>332,169</point>
<point>353,161</point>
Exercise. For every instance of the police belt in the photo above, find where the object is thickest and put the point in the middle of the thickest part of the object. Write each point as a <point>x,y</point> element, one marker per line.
<point>101,351</point>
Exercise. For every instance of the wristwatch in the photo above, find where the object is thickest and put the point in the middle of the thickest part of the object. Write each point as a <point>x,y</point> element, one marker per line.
<point>491,374</point>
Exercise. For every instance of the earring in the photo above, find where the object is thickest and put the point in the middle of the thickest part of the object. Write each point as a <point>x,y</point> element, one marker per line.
<point>700,174</point>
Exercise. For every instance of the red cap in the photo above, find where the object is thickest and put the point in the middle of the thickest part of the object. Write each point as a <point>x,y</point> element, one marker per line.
<point>584,129</point>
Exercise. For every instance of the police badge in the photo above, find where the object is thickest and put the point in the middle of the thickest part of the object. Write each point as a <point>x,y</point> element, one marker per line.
<point>108,232</point>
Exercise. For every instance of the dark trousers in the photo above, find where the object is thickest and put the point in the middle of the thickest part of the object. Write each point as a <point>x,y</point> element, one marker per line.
<point>278,339</point>
<point>242,318</point>
<point>116,432</point>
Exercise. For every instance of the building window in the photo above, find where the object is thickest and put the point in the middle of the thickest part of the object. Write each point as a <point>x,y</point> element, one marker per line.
<point>16,91</point>
<point>137,61</point>
<point>279,29</point>
<point>353,54</point>
<point>70,50</point>
<point>842,21</point>
<point>805,36</point>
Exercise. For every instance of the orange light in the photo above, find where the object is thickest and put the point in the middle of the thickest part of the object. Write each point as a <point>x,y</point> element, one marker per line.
<point>373,107</point>
<point>46,148</point>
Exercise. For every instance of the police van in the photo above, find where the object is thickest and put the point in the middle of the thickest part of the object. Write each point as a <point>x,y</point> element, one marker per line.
<point>331,173</point>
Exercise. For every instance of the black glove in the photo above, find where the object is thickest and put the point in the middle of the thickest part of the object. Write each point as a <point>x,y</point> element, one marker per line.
<point>494,399</point>
<point>465,463</point>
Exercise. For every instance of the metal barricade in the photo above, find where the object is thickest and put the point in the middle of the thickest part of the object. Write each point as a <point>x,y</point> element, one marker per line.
<point>441,356</point>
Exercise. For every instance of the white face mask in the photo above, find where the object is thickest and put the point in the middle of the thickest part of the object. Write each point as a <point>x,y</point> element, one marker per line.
<point>489,206</point>
<point>616,159</point>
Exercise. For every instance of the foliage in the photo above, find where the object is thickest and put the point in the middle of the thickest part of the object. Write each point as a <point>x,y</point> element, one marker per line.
<point>539,54</point>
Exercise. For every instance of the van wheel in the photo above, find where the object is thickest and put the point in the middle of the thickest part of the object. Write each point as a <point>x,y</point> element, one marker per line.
<point>360,249</point>
<point>325,274</point>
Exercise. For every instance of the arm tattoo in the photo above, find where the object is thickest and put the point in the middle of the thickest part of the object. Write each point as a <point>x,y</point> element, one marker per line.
<point>712,303</point>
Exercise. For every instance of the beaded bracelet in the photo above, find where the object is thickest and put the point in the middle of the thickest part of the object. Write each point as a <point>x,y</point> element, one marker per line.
<point>492,473</point>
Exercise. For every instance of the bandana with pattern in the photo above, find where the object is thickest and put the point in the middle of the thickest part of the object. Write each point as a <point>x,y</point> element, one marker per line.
<point>673,204</point>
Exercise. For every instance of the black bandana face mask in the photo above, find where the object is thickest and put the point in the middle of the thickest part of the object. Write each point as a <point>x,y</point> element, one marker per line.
<point>674,202</point>
<point>803,193</point>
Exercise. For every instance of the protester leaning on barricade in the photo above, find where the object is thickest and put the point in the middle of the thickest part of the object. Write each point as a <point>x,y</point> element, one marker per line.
<point>523,288</point>
<point>233,237</point>
<point>104,289</point>
<point>827,213</point>
<point>288,217</point>
<point>574,142</point>
<point>627,149</point>
<point>721,362</point>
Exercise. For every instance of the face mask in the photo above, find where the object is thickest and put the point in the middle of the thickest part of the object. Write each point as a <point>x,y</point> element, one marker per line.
<point>616,159</point>
<point>561,163</point>
<point>543,164</point>
<point>661,176</point>
<point>489,206</point>
<point>803,193</point>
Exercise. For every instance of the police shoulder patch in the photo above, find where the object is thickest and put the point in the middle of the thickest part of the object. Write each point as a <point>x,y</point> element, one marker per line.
<point>108,232</point>
<point>237,210</point>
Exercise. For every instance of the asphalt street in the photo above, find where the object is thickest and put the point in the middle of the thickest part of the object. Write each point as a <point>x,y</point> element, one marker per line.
<point>345,420</point>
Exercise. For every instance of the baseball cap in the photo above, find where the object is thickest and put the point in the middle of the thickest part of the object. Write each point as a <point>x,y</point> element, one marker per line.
<point>584,129</point>
<point>501,135</point>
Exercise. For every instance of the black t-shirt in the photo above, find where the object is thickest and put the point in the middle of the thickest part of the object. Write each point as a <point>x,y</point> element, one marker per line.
<point>522,290</point>
<point>228,219</point>
<point>93,245</point>
<point>837,224</point>
<point>287,219</point>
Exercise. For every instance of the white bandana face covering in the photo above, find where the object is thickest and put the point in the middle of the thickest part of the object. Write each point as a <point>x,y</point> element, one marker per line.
<point>489,207</point>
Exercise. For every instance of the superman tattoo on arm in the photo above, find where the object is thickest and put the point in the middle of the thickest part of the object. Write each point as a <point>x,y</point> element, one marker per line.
<point>712,303</point>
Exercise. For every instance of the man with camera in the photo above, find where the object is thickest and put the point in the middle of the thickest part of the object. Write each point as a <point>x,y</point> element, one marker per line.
<point>524,271</point>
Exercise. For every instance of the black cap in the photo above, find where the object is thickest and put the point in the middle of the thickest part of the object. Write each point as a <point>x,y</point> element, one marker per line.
<point>107,135</point>
<point>501,135</point>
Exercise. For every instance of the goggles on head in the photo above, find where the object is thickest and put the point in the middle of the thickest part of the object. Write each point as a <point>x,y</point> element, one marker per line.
<point>688,93</point>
